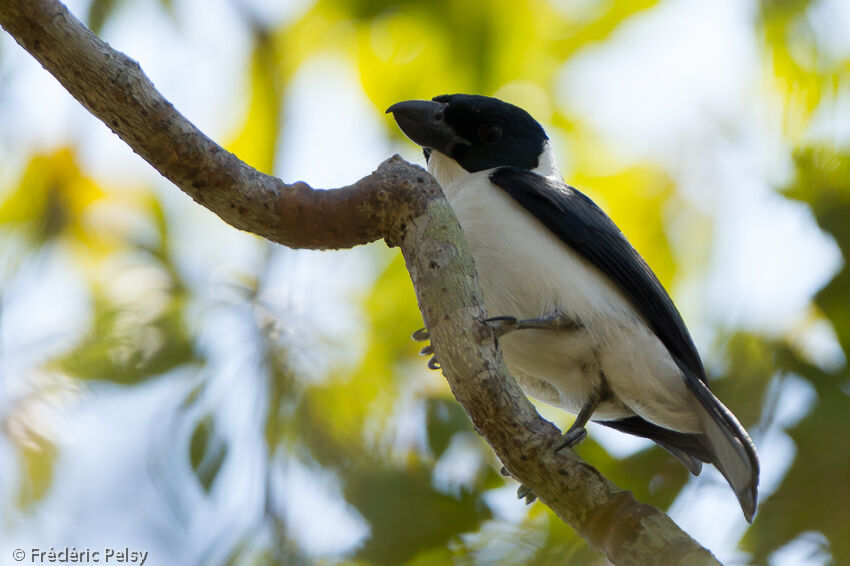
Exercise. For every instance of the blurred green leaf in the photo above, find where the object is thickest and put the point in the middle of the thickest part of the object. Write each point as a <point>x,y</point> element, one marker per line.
<point>431,556</point>
<point>406,514</point>
<point>564,546</point>
<point>270,547</point>
<point>37,457</point>
<point>443,419</point>
<point>823,182</point>
<point>343,409</point>
<point>284,395</point>
<point>100,11</point>
<point>129,342</point>
<point>207,451</point>
<point>653,475</point>
<point>813,494</point>
<point>123,348</point>
<point>751,365</point>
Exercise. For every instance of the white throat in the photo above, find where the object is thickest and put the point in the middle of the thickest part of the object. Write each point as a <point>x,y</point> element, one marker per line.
<point>448,172</point>
<point>547,167</point>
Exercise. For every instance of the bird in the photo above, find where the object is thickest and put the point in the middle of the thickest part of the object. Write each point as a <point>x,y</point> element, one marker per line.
<point>582,321</point>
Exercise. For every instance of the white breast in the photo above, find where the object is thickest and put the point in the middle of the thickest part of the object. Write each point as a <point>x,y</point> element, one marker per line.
<point>527,272</point>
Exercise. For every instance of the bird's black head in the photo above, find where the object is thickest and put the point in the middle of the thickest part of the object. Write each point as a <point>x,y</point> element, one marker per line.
<point>478,132</point>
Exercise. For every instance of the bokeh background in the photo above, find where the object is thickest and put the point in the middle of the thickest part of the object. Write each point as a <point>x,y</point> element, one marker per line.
<point>170,384</point>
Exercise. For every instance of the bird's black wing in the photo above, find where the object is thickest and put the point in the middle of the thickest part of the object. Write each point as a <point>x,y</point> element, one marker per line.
<point>583,226</point>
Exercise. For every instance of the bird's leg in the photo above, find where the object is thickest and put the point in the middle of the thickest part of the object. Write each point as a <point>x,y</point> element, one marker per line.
<point>420,336</point>
<point>576,433</point>
<point>501,325</point>
<point>522,491</point>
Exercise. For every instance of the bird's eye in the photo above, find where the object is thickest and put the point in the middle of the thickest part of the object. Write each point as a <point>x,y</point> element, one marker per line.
<point>490,133</point>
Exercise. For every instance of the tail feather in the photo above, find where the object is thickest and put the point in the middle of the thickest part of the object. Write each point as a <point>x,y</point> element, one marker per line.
<point>732,450</point>
<point>690,449</point>
<point>693,464</point>
<point>724,443</point>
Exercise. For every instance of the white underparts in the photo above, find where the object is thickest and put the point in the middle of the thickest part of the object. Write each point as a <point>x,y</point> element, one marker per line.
<point>527,272</point>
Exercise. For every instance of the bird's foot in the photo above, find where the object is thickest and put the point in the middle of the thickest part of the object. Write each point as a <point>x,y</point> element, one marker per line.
<point>576,433</point>
<point>422,335</point>
<point>522,491</point>
<point>502,325</point>
<point>572,437</point>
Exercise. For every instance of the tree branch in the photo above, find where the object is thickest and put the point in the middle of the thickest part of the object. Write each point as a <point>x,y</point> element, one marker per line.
<point>400,203</point>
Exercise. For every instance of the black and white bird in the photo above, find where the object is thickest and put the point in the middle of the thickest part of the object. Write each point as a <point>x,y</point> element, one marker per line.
<point>585,324</point>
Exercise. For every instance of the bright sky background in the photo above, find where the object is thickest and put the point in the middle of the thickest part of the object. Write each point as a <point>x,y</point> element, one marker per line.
<point>694,111</point>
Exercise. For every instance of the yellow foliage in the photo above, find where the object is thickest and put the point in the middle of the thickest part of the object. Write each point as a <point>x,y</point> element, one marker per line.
<point>52,199</point>
<point>36,458</point>
<point>36,453</point>
<point>255,143</point>
<point>635,199</point>
<point>402,56</point>
<point>796,70</point>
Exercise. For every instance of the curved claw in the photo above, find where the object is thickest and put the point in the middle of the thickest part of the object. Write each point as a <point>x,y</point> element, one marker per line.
<point>523,492</point>
<point>433,363</point>
<point>429,349</point>
<point>421,335</point>
<point>572,437</point>
<point>501,325</point>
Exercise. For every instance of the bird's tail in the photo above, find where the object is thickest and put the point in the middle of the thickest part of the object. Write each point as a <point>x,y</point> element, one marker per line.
<point>730,448</point>
<point>723,443</point>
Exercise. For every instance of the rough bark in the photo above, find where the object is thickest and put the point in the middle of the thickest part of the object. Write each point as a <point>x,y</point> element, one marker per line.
<point>400,203</point>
